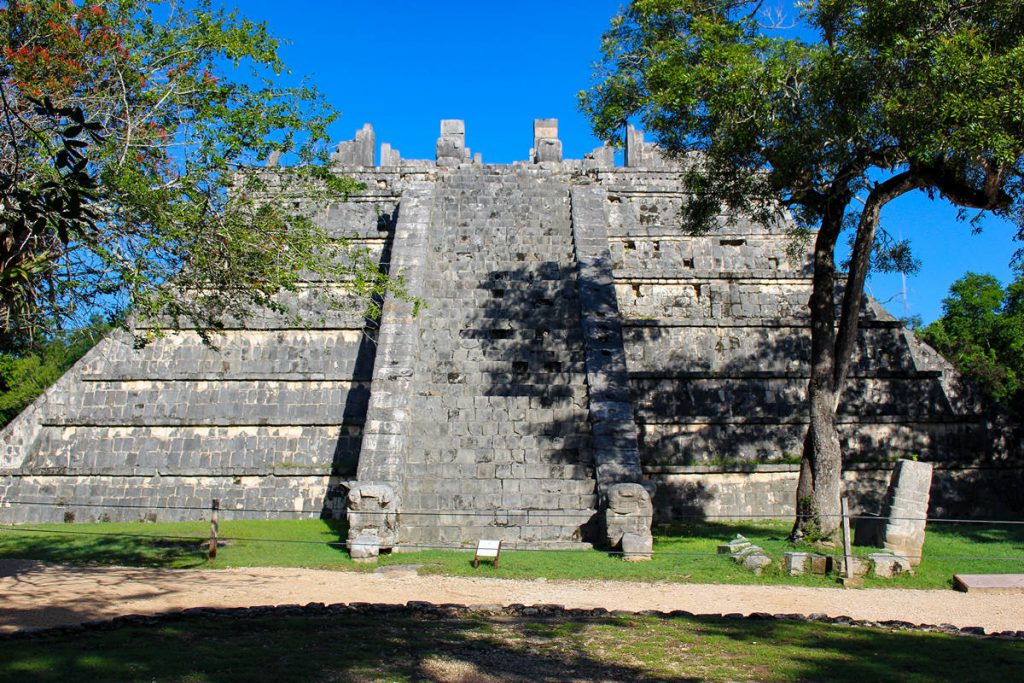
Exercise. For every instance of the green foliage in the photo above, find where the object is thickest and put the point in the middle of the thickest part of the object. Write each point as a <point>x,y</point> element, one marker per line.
<point>170,105</point>
<point>27,374</point>
<point>981,332</point>
<point>876,86</point>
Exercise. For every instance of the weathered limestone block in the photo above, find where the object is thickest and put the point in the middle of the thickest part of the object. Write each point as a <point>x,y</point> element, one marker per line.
<point>602,158</point>
<point>796,563</point>
<point>546,145</point>
<point>365,547</point>
<point>746,550</point>
<point>372,518</point>
<point>357,152</point>
<point>451,146</point>
<point>629,511</point>
<point>734,545</point>
<point>389,156</point>
<point>756,562</point>
<point>906,509</point>
<point>821,564</point>
<point>858,566</point>
<point>888,565</point>
<point>637,547</point>
<point>548,150</point>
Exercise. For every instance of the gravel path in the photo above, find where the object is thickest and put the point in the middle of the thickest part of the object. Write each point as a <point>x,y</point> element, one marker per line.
<point>34,594</point>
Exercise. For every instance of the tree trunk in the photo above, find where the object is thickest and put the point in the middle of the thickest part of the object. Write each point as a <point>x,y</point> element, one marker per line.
<point>822,460</point>
<point>821,467</point>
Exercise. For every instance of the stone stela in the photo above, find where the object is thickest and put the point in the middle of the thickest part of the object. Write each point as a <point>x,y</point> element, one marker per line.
<point>584,366</point>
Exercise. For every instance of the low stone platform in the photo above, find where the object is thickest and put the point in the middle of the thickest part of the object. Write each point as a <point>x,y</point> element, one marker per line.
<point>989,583</point>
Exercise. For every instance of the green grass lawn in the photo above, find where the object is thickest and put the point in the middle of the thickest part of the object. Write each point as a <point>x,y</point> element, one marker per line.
<point>683,552</point>
<point>407,646</point>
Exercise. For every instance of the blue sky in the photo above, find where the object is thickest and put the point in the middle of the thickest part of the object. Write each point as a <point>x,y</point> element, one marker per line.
<point>403,65</point>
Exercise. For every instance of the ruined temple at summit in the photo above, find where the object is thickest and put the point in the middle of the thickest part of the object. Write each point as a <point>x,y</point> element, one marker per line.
<point>581,361</point>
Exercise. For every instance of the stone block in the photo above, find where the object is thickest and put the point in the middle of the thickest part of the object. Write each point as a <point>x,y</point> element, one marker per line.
<point>453,128</point>
<point>636,547</point>
<point>365,547</point>
<point>745,551</point>
<point>629,510</point>
<point>756,562</point>
<point>821,564</point>
<point>373,509</point>
<point>858,566</point>
<point>548,150</point>
<point>795,563</point>
<point>888,565</point>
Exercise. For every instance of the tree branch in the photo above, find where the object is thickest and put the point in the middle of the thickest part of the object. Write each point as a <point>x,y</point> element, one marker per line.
<point>860,262</point>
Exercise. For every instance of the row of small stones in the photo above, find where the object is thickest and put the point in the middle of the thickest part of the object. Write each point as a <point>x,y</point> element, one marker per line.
<point>319,609</point>
<point>752,557</point>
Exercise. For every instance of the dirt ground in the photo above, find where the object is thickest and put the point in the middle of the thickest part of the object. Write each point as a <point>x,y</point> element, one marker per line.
<point>34,594</point>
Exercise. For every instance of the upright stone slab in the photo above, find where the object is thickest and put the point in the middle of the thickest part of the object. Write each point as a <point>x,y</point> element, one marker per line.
<point>634,155</point>
<point>451,146</point>
<point>906,509</point>
<point>357,152</point>
<point>546,145</point>
<point>388,156</point>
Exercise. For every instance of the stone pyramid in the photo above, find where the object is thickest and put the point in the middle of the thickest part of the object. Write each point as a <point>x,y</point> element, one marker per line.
<point>578,352</point>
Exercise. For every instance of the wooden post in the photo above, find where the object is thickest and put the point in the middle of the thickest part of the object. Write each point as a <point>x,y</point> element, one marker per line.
<point>213,529</point>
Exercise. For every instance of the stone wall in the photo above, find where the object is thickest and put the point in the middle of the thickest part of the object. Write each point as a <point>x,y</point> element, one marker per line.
<point>759,491</point>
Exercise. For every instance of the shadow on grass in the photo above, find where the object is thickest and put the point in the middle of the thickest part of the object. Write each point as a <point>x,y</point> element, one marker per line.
<point>814,651</point>
<point>720,531</point>
<point>398,644</point>
<point>1012,533</point>
<point>80,548</point>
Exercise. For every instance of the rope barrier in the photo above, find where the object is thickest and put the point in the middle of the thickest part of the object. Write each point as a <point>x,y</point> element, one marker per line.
<point>540,513</point>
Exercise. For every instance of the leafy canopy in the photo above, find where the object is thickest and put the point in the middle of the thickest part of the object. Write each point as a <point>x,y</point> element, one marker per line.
<point>143,120</point>
<point>981,332</point>
<point>865,87</point>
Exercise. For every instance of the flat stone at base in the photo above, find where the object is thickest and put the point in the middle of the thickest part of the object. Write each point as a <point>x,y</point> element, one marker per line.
<point>399,569</point>
<point>852,582</point>
<point>636,548</point>
<point>365,548</point>
<point>989,583</point>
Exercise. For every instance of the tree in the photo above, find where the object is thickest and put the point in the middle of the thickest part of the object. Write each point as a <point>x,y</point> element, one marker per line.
<point>29,372</point>
<point>129,132</point>
<point>981,332</point>
<point>871,100</point>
